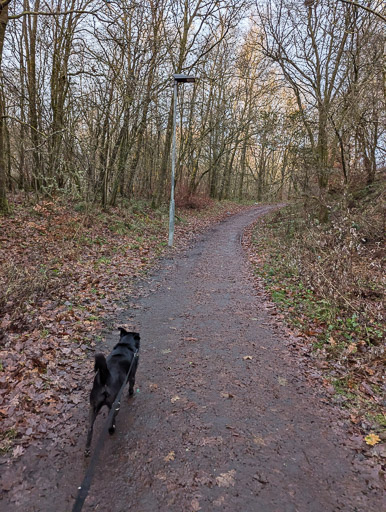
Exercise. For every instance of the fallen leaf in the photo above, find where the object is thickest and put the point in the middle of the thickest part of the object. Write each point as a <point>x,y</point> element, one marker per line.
<point>169,457</point>
<point>175,399</point>
<point>352,348</point>
<point>354,419</point>
<point>355,442</point>
<point>195,505</point>
<point>372,439</point>
<point>19,450</point>
<point>259,441</point>
<point>282,381</point>
<point>226,479</point>
<point>247,358</point>
<point>227,395</point>
<point>219,502</point>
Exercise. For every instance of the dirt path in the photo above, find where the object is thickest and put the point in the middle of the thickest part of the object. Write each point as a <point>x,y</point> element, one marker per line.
<point>210,429</point>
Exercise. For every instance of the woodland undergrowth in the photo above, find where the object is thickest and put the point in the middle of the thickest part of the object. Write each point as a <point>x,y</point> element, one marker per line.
<point>328,280</point>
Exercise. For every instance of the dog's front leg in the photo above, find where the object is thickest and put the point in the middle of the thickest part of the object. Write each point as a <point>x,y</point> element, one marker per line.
<point>92,415</point>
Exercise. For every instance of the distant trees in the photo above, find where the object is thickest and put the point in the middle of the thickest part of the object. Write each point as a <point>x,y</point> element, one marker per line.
<point>280,101</point>
<point>330,54</point>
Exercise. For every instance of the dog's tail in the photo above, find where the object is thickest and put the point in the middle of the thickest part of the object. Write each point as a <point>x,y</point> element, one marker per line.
<point>101,365</point>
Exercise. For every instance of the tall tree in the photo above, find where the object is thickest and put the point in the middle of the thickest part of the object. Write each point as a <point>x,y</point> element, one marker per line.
<point>3,175</point>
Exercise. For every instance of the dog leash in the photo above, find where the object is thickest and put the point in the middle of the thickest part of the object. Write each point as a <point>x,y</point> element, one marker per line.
<point>84,488</point>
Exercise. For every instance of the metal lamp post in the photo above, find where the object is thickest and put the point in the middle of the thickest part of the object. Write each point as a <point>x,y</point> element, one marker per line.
<point>178,78</point>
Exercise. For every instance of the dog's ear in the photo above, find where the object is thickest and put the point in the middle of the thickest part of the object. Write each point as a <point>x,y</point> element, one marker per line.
<point>122,331</point>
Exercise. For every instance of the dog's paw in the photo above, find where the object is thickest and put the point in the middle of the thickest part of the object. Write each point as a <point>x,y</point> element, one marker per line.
<point>131,392</point>
<point>87,452</point>
<point>112,430</point>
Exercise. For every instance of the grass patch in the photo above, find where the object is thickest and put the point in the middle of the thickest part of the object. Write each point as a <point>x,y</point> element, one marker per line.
<point>7,440</point>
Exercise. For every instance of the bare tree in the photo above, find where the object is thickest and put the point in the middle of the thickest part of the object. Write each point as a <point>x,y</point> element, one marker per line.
<point>311,47</point>
<point>3,175</point>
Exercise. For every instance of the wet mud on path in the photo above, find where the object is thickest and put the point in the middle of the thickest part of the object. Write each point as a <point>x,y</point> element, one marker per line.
<point>224,418</point>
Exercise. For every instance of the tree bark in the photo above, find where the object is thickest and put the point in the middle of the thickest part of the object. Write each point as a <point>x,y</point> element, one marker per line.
<point>3,173</point>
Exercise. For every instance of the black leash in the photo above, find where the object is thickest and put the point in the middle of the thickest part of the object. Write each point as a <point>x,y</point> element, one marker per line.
<point>84,488</point>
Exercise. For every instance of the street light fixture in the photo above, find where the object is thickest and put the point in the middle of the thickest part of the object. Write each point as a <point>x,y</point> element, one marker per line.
<point>184,78</point>
<point>178,79</point>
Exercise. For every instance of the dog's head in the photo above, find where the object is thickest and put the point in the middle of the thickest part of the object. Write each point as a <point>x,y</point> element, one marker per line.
<point>129,337</point>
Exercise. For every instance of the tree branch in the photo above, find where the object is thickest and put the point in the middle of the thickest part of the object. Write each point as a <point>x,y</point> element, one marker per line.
<point>52,13</point>
<point>351,2</point>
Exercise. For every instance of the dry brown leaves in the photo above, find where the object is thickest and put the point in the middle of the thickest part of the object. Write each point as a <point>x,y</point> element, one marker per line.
<point>341,263</point>
<point>62,273</point>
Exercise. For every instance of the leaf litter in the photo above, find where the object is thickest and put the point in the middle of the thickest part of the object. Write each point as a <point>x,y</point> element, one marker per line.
<point>345,354</point>
<point>63,273</point>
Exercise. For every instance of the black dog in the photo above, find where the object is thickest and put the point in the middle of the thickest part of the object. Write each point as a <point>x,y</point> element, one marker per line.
<point>110,376</point>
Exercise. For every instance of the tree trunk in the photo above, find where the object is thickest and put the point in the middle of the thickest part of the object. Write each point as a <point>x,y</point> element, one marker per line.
<point>30,42</point>
<point>242,169</point>
<point>165,158</point>
<point>3,173</point>
<point>322,149</point>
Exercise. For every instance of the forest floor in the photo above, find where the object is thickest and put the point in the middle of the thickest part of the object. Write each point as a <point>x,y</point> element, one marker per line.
<point>64,267</point>
<point>327,282</point>
<point>226,413</point>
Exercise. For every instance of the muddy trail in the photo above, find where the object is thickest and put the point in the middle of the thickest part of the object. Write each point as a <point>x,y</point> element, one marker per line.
<point>222,419</point>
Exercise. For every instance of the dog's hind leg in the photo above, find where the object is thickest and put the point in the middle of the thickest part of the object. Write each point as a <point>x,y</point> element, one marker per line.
<point>112,422</point>
<point>131,386</point>
<point>92,415</point>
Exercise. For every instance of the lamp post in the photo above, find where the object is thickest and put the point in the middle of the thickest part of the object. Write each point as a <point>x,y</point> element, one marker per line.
<point>178,78</point>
